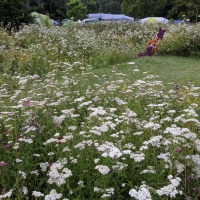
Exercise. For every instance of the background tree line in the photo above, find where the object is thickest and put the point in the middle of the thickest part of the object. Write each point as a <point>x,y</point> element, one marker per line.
<point>57,9</point>
<point>17,11</point>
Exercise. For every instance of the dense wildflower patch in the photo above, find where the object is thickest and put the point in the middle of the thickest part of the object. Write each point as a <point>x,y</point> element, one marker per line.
<point>71,133</point>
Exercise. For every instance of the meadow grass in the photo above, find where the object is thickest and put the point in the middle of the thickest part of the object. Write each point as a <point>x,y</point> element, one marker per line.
<point>170,69</point>
<point>73,131</point>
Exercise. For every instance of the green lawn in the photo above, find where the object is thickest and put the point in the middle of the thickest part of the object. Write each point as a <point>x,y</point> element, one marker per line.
<point>170,69</point>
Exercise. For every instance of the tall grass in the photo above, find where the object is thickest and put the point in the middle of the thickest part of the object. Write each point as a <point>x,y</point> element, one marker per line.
<point>182,40</point>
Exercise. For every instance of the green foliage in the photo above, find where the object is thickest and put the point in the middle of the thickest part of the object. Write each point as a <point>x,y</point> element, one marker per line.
<point>104,6</point>
<point>76,10</point>
<point>186,9</point>
<point>13,13</point>
<point>56,9</point>
<point>144,8</point>
<point>182,40</point>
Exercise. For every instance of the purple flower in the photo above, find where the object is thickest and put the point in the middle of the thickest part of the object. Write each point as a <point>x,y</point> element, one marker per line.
<point>7,146</point>
<point>188,198</point>
<point>27,103</point>
<point>4,164</point>
<point>179,149</point>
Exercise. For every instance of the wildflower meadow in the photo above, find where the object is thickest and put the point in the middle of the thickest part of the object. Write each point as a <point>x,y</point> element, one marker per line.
<point>71,131</point>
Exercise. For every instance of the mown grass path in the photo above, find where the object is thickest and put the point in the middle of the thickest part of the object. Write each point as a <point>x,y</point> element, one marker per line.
<point>170,69</point>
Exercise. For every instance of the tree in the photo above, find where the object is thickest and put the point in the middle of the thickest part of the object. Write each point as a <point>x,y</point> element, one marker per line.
<point>56,9</point>
<point>110,6</point>
<point>169,6</point>
<point>104,6</point>
<point>92,6</point>
<point>37,6</point>
<point>189,8</point>
<point>143,8</point>
<point>13,13</point>
<point>76,9</point>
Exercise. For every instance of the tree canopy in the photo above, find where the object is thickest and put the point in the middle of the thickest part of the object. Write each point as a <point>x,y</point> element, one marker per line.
<point>15,12</point>
<point>143,8</point>
<point>189,9</point>
<point>76,10</point>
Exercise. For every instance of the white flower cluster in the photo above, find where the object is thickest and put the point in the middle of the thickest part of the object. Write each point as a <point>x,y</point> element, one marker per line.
<point>166,158</point>
<point>109,150</point>
<point>196,161</point>
<point>37,194</point>
<point>26,140</point>
<point>154,141</point>
<point>97,111</point>
<point>59,120</point>
<point>120,101</point>
<point>142,194</point>
<point>191,112</point>
<point>23,174</point>
<point>152,125</point>
<point>6,195</point>
<point>58,174</point>
<point>57,140</point>
<point>44,166</point>
<point>138,157</point>
<point>171,189</point>
<point>53,195</point>
<point>98,130</point>
<point>24,190</point>
<point>197,144</point>
<point>119,166</point>
<point>110,192</point>
<point>150,169</point>
<point>102,169</point>
<point>180,167</point>
<point>174,130</point>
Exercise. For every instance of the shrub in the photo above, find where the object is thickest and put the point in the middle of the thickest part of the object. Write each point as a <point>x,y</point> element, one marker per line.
<point>182,40</point>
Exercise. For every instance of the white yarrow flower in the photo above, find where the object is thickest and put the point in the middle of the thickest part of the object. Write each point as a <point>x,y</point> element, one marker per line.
<point>37,194</point>
<point>102,169</point>
<point>58,174</point>
<point>142,194</point>
<point>6,195</point>
<point>53,195</point>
